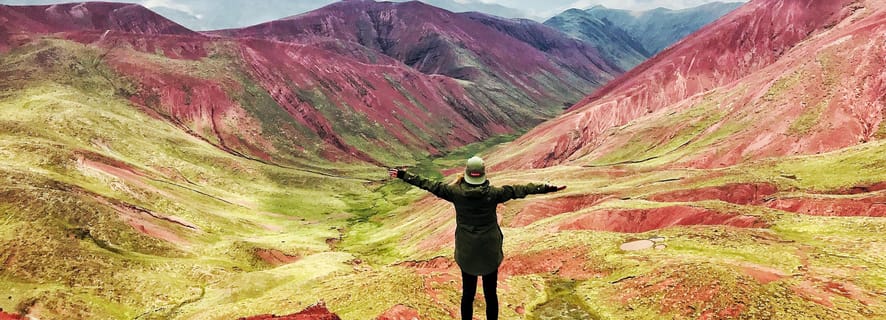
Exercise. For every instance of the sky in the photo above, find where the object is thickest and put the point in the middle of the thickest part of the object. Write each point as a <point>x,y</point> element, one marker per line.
<point>247,12</point>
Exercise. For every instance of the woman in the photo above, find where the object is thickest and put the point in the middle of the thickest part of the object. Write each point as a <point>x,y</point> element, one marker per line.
<point>478,238</point>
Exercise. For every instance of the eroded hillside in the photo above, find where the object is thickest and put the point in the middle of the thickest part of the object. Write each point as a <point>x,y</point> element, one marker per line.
<point>185,176</point>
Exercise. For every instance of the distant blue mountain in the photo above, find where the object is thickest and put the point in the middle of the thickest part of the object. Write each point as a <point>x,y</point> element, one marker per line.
<point>226,14</point>
<point>488,8</point>
<point>613,42</point>
<point>630,37</point>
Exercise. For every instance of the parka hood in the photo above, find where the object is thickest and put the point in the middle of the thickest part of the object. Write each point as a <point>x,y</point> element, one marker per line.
<point>473,190</point>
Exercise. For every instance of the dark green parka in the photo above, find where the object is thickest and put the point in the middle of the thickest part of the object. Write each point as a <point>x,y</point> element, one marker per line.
<point>478,238</point>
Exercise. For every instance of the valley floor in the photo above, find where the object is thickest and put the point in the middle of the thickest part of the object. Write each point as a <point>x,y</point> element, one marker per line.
<point>107,213</point>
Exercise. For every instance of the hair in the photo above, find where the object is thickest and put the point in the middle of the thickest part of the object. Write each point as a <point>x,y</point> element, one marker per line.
<point>458,179</point>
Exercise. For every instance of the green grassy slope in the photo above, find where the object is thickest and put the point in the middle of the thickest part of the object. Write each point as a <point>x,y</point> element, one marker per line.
<point>109,213</point>
<point>795,265</point>
<point>106,212</point>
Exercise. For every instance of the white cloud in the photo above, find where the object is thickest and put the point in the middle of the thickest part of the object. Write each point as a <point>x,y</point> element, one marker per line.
<point>171,5</point>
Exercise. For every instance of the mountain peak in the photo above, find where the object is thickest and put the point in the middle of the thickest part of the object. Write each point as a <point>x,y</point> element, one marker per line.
<point>572,11</point>
<point>114,16</point>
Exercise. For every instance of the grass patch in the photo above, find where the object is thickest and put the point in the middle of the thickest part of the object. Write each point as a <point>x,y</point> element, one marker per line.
<point>848,167</point>
<point>355,128</point>
<point>562,302</point>
<point>808,119</point>
<point>666,137</point>
<point>783,84</point>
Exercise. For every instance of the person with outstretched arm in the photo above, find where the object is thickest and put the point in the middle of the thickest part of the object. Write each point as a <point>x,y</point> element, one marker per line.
<point>478,237</point>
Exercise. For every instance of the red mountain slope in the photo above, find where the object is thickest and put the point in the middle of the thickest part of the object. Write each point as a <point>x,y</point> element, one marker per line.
<point>341,94</point>
<point>528,55</point>
<point>101,16</point>
<point>779,77</point>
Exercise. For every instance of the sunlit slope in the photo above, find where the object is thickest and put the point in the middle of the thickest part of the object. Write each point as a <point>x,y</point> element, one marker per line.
<point>328,98</point>
<point>757,186</point>
<point>737,89</point>
<point>795,237</point>
<point>117,203</point>
<point>110,213</point>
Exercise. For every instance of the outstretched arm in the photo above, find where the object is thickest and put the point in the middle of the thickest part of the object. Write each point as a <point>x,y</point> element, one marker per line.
<point>438,188</point>
<point>506,193</point>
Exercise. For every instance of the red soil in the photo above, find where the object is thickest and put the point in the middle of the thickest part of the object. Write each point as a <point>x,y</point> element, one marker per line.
<point>143,220</point>
<point>739,193</point>
<point>544,208</point>
<point>275,257</point>
<point>148,222</point>
<point>180,47</point>
<point>568,263</point>
<point>435,272</point>
<point>201,107</point>
<point>436,264</point>
<point>730,312</point>
<point>762,274</point>
<point>103,159</point>
<point>440,227</point>
<point>862,189</point>
<point>809,291</point>
<point>10,316</point>
<point>399,312</point>
<point>850,291</point>
<point>681,296</point>
<point>757,194</point>
<point>123,171</point>
<point>145,224</point>
<point>871,207</point>
<point>642,220</point>
<point>314,312</point>
<point>820,290</point>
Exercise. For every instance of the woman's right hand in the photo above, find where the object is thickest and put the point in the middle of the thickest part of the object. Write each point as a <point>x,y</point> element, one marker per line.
<point>394,172</point>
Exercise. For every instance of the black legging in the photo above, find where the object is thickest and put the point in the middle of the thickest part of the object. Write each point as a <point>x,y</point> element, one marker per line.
<point>469,290</point>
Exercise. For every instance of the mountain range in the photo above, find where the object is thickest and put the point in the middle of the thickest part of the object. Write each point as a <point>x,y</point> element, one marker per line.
<point>204,15</point>
<point>217,15</point>
<point>346,91</point>
<point>631,37</point>
<point>148,171</point>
